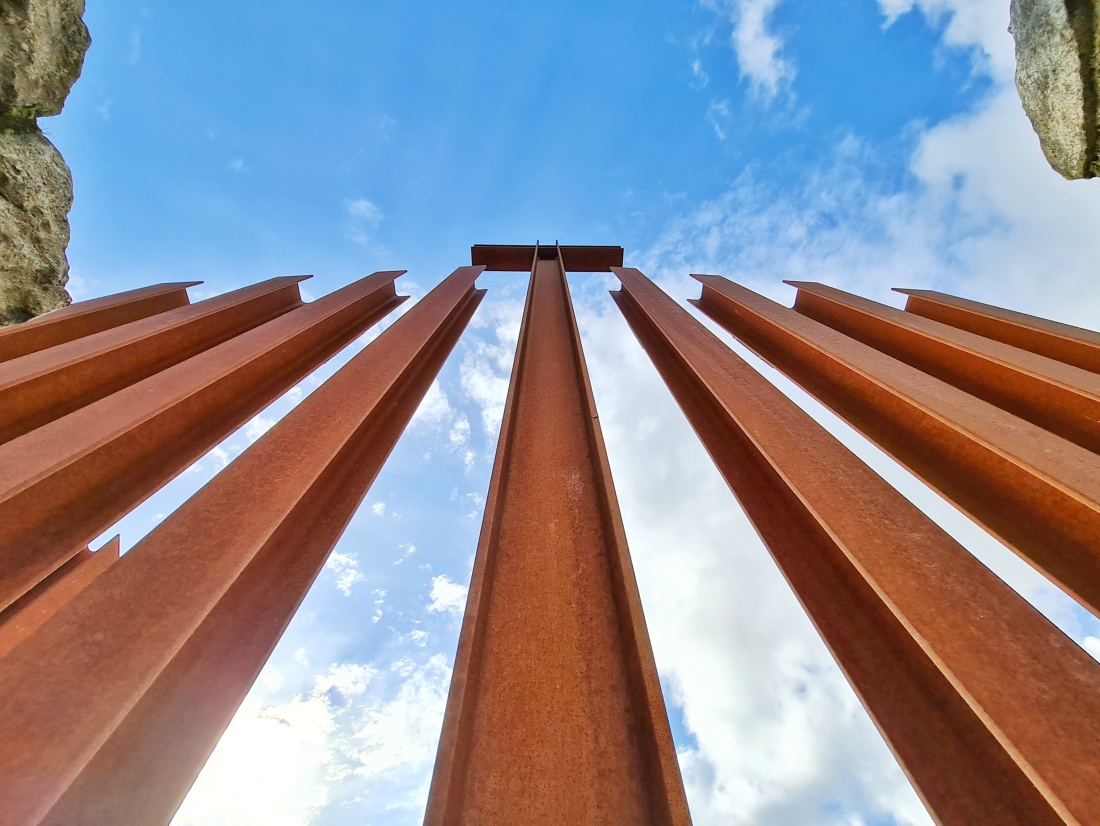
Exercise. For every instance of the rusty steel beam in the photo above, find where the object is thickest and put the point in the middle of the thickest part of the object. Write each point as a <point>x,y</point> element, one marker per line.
<point>1037,492</point>
<point>1062,342</point>
<point>555,712</point>
<point>38,388</point>
<point>1058,397</point>
<point>993,713</point>
<point>126,690</point>
<point>19,620</point>
<point>65,483</point>
<point>517,257</point>
<point>87,317</point>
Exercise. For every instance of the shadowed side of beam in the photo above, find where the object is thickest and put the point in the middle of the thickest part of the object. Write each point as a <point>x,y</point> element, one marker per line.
<point>1037,492</point>
<point>555,712</point>
<point>93,316</point>
<point>40,387</point>
<point>993,713</point>
<point>1057,397</point>
<point>19,620</point>
<point>1062,342</point>
<point>174,634</point>
<point>65,483</point>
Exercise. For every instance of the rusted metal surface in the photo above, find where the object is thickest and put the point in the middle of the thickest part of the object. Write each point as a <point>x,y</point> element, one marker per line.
<point>993,713</point>
<point>87,317</point>
<point>65,483</point>
<point>22,617</point>
<point>1058,397</point>
<point>40,387</point>
<point>126,690</point>
<point>517,257</point>
<point>1063,342</point>
<point>1037,492</point>
<point>555,712</point>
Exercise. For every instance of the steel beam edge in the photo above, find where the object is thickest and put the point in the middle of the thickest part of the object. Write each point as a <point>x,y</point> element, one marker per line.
<point>1035,491</point>
<point>1062,342</point>
<point>20,619</point>
<point>1051,394</point>
<point>93,316</point>
<point>174,634</point>
<point>448,803</point>
<point>65,483</point>
<point>993,713</point>
<point>40,387</point>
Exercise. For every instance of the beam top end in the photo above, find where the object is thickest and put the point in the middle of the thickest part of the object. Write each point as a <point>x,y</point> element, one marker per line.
<point>518,257</point>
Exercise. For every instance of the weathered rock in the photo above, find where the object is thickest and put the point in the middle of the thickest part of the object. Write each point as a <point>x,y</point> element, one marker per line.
<point>1056,76</point>
<point>42,46</point>
<point>36,192</point>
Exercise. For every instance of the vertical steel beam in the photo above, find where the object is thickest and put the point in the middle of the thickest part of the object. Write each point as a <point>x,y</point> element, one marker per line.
<point>1058,397</point>
<point>39,387</point>
<point>993,713</point>
<point>125,691</point>
<point>1037,492</point>
<point>19,620</point>
<point>87,317</point>
<point>555,712</point>
<point>1063,342</point>
<point>65,483</point>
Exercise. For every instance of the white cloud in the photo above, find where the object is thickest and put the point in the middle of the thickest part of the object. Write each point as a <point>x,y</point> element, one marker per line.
<point>460,431</point>
<point>407,550</point>
<point>378,508</point>
<point>719,117</point>
<point>487,363</point>
<point>351,735</point>
<point>447,596</point>
<point>257,427</point>
<point>758,49</point>
<point>346,568</point>
<point>434,409</point>
<point>236,165</point>
<point>362,220</point>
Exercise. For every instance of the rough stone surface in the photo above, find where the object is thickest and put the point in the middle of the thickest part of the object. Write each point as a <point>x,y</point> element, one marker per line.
<point>1056,62</point>
<point>36,192</point>
<point>42,46</point>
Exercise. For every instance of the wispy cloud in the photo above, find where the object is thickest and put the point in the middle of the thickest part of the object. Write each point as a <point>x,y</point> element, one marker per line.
<point>758,49</point>
<point>362,219</point>
<point>447,596</point>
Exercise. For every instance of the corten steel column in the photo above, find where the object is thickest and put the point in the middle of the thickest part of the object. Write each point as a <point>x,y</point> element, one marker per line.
<point>993,713</point>
<point>65,483</point>
<point>87,317</point>
<point>555,712</point>
<point>39,387</point>
<point>1056,396</point>
<point>125,691</point>
<point>1037,492</point>
<point>31,610</point>
<point>1063,342</point>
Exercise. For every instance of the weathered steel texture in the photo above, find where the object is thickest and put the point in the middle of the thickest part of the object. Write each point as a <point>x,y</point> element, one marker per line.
<point>87,317</point>
<point>1036,491</point>
<point>65,483</point>
<point>1062,342</point>
<point>126,690</point>
<point>993,713</point>
<point>22,617</point>
<point>1058,397</point>
<point>40,387</point>
<point>555,712</point>
<point>517,258</point>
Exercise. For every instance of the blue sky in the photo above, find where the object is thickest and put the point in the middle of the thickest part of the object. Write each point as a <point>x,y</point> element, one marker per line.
<point>865,143</point>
